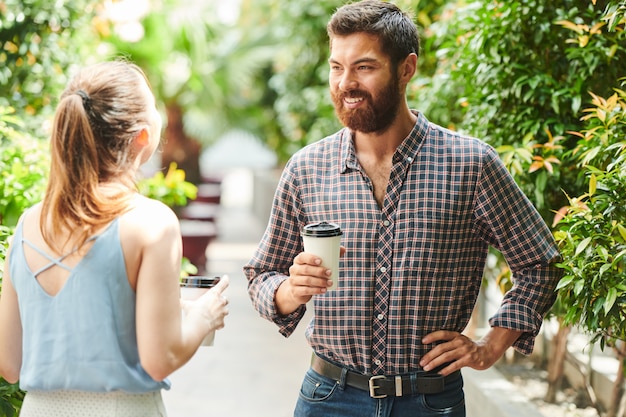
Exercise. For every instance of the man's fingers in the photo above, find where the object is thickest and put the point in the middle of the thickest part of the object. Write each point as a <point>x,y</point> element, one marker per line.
<point>439,336</point>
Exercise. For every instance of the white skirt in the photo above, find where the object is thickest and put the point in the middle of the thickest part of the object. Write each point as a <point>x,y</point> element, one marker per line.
<point>92,404</point>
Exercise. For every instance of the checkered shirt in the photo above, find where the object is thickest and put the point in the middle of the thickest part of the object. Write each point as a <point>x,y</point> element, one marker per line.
<point>415,265</point>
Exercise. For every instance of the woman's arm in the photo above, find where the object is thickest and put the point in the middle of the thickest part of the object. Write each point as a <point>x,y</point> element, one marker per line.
<point>166,339</point>
<point>10,329</point>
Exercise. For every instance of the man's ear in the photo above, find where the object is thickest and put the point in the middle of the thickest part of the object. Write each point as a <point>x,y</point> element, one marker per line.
<point>407,68</point>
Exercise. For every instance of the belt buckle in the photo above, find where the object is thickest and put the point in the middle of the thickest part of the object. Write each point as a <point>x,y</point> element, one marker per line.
<point>374,387</point>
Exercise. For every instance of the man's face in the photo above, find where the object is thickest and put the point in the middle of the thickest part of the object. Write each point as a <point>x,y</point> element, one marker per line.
<point>364,84</point>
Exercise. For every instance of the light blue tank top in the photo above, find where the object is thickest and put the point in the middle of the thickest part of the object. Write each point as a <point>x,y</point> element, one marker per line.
<point>84,337</point>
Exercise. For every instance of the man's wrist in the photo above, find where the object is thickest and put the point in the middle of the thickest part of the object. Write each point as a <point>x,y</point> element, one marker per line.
<point>499,339</point>
<point>285,304</point>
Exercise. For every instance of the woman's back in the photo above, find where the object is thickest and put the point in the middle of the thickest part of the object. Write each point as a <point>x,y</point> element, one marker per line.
<point>78,314</point>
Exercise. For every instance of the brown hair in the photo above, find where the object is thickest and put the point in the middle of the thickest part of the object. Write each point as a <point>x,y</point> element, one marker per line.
<point>394,28</point>
<point>101,111</point>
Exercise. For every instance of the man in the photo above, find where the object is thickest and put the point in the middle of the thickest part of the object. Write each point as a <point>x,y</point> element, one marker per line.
<point>419,206</point>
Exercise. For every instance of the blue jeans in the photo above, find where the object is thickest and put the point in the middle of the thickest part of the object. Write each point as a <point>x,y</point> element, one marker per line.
<point>324,397</point>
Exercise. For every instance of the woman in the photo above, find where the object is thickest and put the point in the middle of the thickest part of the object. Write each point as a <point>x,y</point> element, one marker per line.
<point>90,315</point>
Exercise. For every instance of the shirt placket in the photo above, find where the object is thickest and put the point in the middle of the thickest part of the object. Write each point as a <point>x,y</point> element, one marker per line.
<point>384,263</point>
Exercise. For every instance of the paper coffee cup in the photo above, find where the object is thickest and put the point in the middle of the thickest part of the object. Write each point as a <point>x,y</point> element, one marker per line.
<point>323,239</point>
<point>192,288</point>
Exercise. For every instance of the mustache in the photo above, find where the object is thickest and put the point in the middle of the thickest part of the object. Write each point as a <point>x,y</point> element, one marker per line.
<point>353,94</point>
<point>340,96</point>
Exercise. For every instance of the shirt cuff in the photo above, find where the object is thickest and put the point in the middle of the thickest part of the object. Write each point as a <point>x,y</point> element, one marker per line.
<point>519,318</point>
<point>286,323</point>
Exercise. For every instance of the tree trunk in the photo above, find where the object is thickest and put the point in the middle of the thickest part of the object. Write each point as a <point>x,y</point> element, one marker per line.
<point>618,386</point>
<point>555,365</point>
<point>179,147</point>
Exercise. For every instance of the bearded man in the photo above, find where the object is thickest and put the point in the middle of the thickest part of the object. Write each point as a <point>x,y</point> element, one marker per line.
<point>419,207</point>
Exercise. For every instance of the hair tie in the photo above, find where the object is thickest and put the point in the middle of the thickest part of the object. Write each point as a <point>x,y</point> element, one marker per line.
<point>86,99</point>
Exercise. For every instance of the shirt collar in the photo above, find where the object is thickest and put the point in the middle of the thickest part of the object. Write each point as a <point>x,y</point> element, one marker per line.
<point>406,151</point>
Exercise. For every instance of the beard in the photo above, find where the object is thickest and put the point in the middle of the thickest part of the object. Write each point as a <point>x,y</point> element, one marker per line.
<point>374,116</point>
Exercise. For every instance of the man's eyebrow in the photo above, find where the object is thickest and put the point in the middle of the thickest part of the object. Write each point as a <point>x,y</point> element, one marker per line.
<point>359,61</point>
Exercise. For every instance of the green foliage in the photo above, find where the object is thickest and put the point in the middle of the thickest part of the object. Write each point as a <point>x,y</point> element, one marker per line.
<point>24,163</point>
<point>23,171</point>
<point>592,235</point>
<point>5,233</point>
<point>170,188</point>
<point>187,268</point>
<point>431,90</point>
<point>299,81</point>
<point>38,44</point>
<point>517,74</point>
<point>11,398</point>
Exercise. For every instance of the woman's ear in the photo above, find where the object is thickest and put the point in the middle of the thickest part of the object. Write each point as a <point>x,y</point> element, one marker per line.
<point>143,138</point>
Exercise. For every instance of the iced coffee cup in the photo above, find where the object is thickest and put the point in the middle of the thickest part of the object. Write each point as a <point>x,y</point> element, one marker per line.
<point>191,288</point>
<point>323,239</point>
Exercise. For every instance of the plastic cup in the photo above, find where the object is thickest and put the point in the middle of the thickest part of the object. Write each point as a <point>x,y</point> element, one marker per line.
<point>323,239</point>
<point>192,288</point>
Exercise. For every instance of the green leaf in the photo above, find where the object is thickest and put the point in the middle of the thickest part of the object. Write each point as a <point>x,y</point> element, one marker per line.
<point>611,296</point>
<point>564,282</point>
<point>619,256</point>
<point>579,286</point>
<point>622,231</point>
<point>582,246</point>
<point>597,305</point>
<point>541,181</point>
<point>604,268</point>
<point>592,184</point>
<point>6,408</point>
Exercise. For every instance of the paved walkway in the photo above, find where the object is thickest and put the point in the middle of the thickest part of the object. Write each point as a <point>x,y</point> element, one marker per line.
<point>252,370</point>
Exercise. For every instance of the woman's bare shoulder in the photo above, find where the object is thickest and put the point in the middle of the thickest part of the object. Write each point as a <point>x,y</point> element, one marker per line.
<point>151,219</point>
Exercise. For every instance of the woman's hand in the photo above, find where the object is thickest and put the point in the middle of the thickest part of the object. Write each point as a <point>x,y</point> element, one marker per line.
<point>211,308</point>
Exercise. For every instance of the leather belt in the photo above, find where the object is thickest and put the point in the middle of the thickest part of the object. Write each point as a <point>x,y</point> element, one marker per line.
<point>381,386</point>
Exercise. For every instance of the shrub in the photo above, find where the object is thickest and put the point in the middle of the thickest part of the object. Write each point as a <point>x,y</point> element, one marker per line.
<point>23,173</point>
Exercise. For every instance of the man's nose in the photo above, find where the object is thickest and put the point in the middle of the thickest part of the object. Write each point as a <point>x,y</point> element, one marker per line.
<point>348,81</point>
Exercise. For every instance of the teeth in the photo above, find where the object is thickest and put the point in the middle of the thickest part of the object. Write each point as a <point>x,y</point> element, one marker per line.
<point>353,100</point>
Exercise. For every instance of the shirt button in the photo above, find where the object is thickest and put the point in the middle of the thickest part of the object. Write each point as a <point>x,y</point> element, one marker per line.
<point>377,362</point>
<point>381,317</point>
<point>409,159</point>
<point>386,223</point>
<point>383,269</point>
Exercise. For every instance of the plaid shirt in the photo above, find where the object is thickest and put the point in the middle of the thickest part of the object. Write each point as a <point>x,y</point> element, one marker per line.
<point>448,199</point>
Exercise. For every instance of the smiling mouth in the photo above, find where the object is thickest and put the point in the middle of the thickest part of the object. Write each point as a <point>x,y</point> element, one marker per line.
<point>353,100</point>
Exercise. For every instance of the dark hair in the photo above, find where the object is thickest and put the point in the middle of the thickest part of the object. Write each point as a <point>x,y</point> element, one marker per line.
<point>396,30</point>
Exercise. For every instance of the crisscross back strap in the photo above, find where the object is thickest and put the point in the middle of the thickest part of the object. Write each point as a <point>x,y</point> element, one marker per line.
<point>53,261</point>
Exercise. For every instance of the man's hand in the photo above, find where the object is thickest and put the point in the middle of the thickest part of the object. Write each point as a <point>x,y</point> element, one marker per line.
<point>307,277</point>
<point>460,351</point>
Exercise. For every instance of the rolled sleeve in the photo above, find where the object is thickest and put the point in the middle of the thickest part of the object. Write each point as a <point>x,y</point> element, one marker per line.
<point>525,305</point>
<point>262,290</point>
